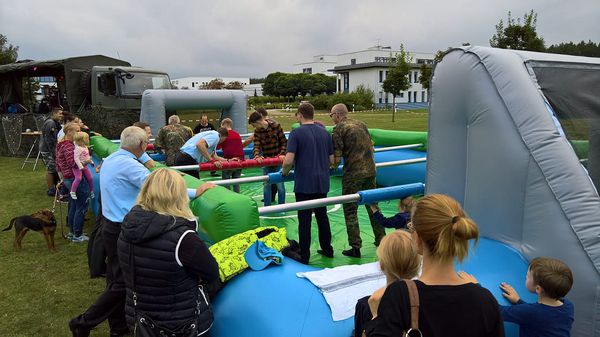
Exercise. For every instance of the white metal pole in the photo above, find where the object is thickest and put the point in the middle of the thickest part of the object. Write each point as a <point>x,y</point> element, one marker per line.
<point>391,148</point>
<point>401,162</point>
<point>342,199</point>
<point>240,180</point>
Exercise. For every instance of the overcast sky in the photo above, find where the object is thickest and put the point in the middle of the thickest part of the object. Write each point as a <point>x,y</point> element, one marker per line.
<point>254,38</point>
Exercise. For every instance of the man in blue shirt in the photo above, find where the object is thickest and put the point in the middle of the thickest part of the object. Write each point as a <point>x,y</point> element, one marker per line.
<point>310,151</point>
<point>121,179</point>
<point>201,148</point>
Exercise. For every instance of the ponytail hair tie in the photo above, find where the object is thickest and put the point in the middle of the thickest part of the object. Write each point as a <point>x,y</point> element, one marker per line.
<point>455,219</point>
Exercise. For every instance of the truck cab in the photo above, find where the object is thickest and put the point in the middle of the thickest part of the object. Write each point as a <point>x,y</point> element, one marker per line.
<point>122,87</point>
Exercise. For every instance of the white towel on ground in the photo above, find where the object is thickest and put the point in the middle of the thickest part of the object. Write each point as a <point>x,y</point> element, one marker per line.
<point>343,286</point>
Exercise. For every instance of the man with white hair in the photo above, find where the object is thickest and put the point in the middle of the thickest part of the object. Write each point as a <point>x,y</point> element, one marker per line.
<point>121,179</point>
<point>171,138</point>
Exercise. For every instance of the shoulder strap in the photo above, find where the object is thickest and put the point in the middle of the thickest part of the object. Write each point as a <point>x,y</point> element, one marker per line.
<point>413,295</point>
<point>132,266</point>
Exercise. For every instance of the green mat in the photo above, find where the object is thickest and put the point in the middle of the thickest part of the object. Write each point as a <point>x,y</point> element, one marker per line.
<point>289,220</point>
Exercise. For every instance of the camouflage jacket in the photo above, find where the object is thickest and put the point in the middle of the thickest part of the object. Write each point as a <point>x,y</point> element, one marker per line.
<point>170,139</point>
<point>351,141</point>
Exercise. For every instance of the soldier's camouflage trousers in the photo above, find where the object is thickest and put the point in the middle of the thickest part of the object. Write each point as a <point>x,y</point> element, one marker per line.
<point>350,186</point>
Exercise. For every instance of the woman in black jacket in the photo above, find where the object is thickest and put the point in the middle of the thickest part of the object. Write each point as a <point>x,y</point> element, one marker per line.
<point>164,261</point>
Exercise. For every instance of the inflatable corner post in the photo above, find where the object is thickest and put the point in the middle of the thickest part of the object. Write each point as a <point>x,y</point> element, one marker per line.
<point>221,212</point>
<point>496,146</point>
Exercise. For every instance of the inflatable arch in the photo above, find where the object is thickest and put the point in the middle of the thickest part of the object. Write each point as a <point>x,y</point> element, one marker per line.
<point>495,145</point>
<point>156,102</point>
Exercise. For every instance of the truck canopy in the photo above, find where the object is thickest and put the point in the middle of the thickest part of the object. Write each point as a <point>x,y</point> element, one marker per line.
<point>72,68</point>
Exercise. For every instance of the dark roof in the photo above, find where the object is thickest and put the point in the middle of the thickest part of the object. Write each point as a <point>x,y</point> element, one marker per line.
<point>48,67</point>
<point>367,65</point>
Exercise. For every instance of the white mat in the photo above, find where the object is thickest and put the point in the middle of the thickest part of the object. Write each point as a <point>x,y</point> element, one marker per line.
<point>343,286</point>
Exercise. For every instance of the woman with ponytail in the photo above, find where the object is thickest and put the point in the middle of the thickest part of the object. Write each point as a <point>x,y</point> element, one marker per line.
<point>449,305</point>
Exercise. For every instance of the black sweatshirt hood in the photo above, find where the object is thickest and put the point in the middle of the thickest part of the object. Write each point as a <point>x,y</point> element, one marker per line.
<point>140,225</point>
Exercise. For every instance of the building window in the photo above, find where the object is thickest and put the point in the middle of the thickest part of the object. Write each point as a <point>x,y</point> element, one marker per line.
<point>380,59</point>
<point>386,74</point>
<point>387,100</point>
<point>416,76</point>
<point>353,61</point>
<point>193,84</point>
<point>381,76</point>
<point>346,78</point>
<point>401,95</point>
<point>380,100</point>
<point>423,96</point>
<point>307,70</point>
<point>409,97</point>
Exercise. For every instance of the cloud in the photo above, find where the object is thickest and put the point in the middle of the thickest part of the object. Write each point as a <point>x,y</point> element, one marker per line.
<point>254,38</point>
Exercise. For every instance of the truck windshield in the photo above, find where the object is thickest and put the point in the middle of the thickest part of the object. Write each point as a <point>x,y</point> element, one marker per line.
<point>143,81</point>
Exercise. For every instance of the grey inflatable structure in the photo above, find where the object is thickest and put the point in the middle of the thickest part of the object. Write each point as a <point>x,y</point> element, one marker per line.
<point>495,145</point>
<point>156,103</point>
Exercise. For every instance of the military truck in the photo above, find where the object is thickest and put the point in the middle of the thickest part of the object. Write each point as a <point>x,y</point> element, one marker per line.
<point>105,92</point>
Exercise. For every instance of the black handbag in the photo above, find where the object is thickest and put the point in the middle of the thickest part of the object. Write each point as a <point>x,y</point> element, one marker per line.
<point>144,326</point>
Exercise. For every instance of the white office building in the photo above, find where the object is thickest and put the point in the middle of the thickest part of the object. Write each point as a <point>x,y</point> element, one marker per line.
<point>369,68</point>
<point>321,64</point>
<point>198,82</point>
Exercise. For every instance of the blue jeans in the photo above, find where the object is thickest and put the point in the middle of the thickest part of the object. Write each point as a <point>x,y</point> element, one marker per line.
<point>229,174</point>
<point>267,187</point>
<point>77,208</point>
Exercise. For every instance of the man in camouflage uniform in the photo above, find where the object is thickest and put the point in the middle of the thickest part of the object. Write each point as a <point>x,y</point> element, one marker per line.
<point>352,142</point>
<point>171,138</point>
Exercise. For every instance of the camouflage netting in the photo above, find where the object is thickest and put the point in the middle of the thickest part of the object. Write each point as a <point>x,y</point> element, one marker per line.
<point>109,123</point>
<point>28,122</point>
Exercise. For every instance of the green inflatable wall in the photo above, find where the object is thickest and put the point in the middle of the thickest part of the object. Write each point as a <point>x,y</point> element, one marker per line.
<point>391,137</point>
<point>221,212</point>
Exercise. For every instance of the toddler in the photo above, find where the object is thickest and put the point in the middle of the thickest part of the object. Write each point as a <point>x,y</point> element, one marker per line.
<point>82,158</point>
<point>552,315</point>
<point>398,259</point>
<point>400,219</point>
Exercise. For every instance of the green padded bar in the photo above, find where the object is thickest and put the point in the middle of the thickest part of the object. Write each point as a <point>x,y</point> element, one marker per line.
<point>221,212</point>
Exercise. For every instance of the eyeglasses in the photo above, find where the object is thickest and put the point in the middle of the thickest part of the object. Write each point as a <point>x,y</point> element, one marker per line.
<point>410,227</point>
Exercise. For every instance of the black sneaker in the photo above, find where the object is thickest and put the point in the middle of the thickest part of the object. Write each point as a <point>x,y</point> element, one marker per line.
<point>352,252</point>
<point>324,253</point>
<point>51,192</point>
<point>78,332</point>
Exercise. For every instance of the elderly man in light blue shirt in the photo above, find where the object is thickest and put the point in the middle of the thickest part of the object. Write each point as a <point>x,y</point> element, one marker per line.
<point>121,179</point>
<point>201,148</point>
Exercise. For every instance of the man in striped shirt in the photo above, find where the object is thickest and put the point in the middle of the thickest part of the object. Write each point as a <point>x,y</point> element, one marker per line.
<point>269,141</point>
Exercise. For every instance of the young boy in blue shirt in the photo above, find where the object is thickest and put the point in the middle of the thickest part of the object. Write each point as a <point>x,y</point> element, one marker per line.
<point>400,219</point>
<point>552,315</point>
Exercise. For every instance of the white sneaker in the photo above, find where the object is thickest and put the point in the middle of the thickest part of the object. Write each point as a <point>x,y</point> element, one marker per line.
<point>81,238</point>
<point>73,195</point>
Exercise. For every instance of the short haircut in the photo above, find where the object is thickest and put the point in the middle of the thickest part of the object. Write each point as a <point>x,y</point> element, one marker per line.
<point>553,275</point>
<point>174,119</point>
<point>262,111</point>
<point>398,256</point>
<point>340,109</point>
<point>227,121</point>
<point>255,117</point>
<point>70,127</point>
<point>68,117</point>
<point>223,132</point>
<point>56,109</point>
<point>141,125</point>
<point>204,116</point>
<point>133,136</point>
<point>307,110</point>
<point>164,192</point>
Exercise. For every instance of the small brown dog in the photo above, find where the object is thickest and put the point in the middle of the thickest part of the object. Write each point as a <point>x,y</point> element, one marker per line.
<point>43,221</point>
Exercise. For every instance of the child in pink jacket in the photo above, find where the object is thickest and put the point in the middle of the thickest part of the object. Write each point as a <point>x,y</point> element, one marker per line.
<point>82,158</point>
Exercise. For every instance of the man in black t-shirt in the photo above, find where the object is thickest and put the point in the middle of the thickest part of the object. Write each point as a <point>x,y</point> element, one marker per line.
<point>204,125</point>
<point>48,148</point>
<point>310,151</point>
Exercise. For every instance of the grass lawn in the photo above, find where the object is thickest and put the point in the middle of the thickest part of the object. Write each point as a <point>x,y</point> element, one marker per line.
<point>413,120</point>
<point>41,291</point>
